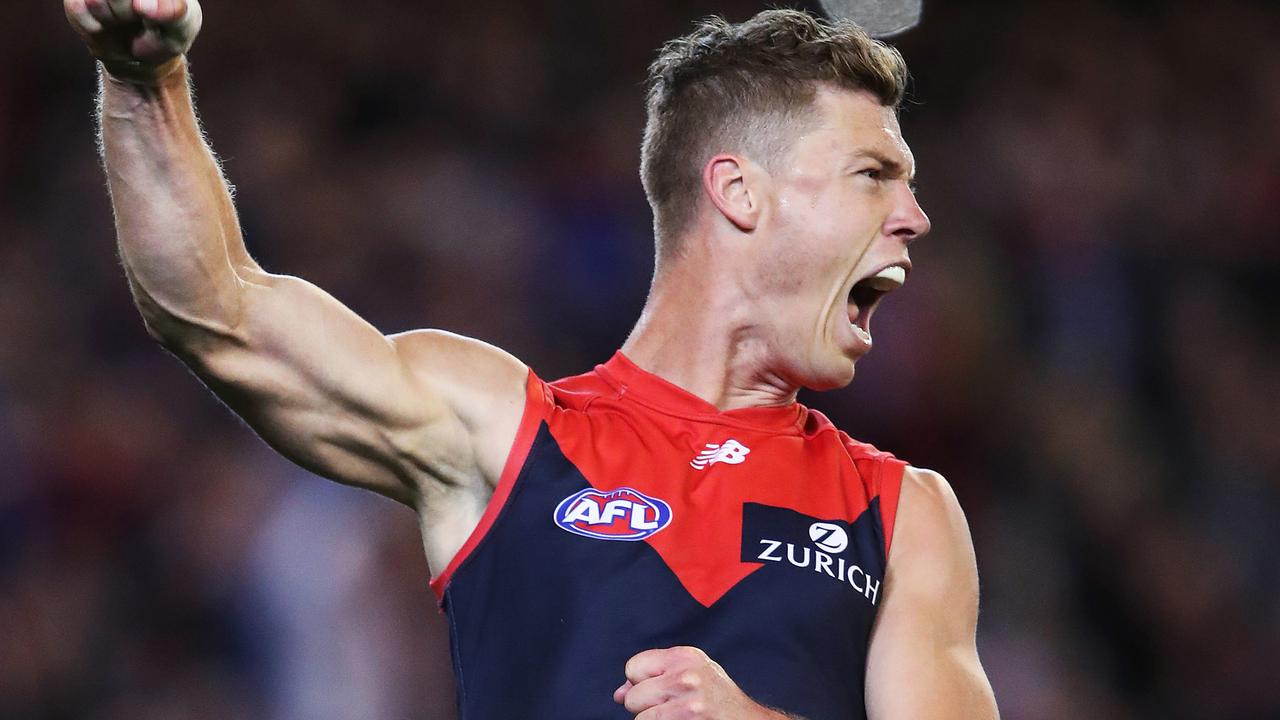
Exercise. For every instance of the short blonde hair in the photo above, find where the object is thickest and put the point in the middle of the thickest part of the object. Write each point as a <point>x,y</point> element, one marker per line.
<point>742,88</point>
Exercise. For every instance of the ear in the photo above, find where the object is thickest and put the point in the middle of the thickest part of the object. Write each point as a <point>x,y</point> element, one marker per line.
<point>727,183</point>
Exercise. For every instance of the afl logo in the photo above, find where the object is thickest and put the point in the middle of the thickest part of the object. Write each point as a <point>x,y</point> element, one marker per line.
<point>622,514</point>
<point>829,537</point>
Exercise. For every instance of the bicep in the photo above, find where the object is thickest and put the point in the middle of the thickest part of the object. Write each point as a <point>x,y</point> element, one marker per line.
<point>923,661</point>
<point>331,393</point>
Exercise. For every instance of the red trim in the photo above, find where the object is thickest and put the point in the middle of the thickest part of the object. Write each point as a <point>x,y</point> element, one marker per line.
<point>537,399</point>
<point>890,483</point>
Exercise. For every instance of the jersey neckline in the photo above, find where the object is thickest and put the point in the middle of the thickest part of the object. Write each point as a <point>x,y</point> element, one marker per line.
<point>635,383</point>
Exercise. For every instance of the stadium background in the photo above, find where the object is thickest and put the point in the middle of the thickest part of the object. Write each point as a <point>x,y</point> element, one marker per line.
<point>1087,348</point>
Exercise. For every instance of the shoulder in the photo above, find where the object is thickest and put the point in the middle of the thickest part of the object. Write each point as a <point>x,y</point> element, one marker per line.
<point>444,352</point>
<point>472,376</point>
<point>928,494</point>
<point>484,392</point>
<point>932,545</point>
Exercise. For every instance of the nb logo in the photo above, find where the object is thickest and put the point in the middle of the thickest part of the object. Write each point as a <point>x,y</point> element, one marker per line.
<point>829,537</point>
<point>730,451</point>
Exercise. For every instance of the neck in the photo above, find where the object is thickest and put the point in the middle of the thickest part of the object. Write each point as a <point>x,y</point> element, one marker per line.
<point>695,332</point>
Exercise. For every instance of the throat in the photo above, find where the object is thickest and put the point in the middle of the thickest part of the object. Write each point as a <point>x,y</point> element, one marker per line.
<point>724,372</point>
<point>724,380</point>
<point>703,337</point>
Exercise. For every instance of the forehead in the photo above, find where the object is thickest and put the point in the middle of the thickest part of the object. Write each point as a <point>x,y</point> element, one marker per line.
<point>852,123</point>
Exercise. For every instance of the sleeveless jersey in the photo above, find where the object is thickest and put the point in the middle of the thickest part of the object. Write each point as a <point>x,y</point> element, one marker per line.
<point>633,515</point>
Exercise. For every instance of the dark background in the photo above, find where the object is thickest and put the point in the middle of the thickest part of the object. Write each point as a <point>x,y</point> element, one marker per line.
<point>1086,349</point>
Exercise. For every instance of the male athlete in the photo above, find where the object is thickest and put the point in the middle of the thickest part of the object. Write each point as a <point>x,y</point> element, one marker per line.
<point>673,520</point>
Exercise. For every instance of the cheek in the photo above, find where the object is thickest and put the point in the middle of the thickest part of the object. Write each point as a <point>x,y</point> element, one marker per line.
<point>788,270</point>
<point>809,265</point>
<point>810,209</point>
<point>808,252</point>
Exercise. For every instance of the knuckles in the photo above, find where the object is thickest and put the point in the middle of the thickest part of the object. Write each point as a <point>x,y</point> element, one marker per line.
<point>130,44</point>
<point>689,654</point>
<point>689,681</point>
<point>678,682</point>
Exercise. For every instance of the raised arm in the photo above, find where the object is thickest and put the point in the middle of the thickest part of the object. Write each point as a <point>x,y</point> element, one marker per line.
<point>923,660</point>
<point>424,417</point>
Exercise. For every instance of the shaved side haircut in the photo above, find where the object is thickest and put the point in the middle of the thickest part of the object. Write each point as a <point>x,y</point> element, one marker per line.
<point>746,88</point>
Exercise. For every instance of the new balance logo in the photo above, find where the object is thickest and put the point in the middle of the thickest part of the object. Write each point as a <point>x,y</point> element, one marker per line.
<point>730,451</point>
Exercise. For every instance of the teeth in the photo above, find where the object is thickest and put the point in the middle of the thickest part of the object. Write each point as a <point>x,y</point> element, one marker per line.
<point>889,278</point>
<point>866,336</point>
<point>896,273</point>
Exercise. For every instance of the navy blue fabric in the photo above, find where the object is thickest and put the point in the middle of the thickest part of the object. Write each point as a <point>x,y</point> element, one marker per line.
<point>543,621</point>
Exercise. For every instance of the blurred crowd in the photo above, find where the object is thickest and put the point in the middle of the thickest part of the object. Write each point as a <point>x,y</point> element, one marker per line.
<point>1087,348</point>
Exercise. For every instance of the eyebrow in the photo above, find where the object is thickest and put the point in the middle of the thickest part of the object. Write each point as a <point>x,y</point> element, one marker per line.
<point>893,166</point>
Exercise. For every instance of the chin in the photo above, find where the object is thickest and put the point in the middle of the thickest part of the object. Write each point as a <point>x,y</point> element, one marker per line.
<point>833,374</point>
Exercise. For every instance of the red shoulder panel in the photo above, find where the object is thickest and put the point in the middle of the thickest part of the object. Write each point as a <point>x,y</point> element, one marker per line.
<point>889,488</point>
<point>619,443</point>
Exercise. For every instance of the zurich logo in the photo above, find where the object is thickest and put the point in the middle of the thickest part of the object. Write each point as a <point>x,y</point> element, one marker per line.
<point>829,537</point>
<point>622,514</point>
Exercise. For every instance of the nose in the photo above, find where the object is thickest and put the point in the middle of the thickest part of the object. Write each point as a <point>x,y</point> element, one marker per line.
<point>907,221</point>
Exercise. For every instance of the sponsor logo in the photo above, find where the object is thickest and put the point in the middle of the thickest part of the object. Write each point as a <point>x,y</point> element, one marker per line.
<point>824,559</point>
<point>622,514</point>
<point>730,451</point>
<point>829,536</point>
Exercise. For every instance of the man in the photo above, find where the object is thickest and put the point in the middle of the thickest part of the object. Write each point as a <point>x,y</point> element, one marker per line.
<point>673,520</point>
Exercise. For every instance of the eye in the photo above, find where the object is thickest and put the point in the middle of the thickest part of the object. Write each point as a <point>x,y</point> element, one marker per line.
<point>873,173</point>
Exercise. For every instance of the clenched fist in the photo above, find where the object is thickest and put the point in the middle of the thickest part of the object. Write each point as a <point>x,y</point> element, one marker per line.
<point>135,39</point>
<point>682,683</point>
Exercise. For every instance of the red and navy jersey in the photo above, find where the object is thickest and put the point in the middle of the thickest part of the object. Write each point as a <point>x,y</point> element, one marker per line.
<point>633,515</point>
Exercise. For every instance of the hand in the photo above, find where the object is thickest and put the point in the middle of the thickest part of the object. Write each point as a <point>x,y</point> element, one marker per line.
<point>136,39</point>
<point>682,683</point>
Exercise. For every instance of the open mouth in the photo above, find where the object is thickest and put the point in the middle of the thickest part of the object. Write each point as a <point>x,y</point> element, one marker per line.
<point>866,295</point>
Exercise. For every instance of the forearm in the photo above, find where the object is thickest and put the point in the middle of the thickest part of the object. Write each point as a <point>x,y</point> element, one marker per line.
<point>178,234</point>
